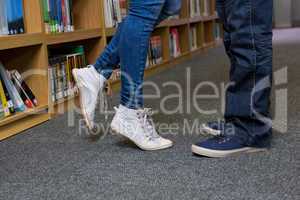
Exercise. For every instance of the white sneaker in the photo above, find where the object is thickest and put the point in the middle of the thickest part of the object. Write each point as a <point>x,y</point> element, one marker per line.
<point>137,126</point>
<point>89,83</point>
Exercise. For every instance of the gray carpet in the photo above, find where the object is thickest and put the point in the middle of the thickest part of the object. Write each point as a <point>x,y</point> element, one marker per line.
<point>54,161</point>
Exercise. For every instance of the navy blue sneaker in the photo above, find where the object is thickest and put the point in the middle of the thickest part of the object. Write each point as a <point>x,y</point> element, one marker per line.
<point>223,146</point>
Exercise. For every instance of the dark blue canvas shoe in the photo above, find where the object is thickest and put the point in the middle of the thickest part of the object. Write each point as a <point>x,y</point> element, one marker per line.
<point>223,146</point>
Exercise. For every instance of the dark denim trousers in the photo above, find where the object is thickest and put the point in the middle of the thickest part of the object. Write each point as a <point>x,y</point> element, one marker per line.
<point>129,46</point>
<point>248,43</point>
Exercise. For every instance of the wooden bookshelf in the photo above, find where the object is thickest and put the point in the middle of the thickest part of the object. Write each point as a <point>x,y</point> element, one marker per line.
<point>29,52</point>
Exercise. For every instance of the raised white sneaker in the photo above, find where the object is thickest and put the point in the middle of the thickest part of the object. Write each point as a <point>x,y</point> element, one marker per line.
<point>137,126</point>
<point>89,83</point>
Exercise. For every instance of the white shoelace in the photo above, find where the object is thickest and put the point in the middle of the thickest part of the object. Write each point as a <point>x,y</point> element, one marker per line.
<point>104,103</point>
<point>148,124</point>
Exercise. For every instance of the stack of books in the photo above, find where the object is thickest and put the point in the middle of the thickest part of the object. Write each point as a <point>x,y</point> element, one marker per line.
<point>175,50</point>
<point>58,16</point>
<point>195,8</point>
<point>11,17</point>
<point>15,94</point>
<point>155,51</point>
<point>60,72</point>
<point>193,38</point>
<point>115,11</point>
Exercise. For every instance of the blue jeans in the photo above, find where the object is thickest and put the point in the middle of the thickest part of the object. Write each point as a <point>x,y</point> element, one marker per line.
<point>248,43</point>
<point>129,46</point>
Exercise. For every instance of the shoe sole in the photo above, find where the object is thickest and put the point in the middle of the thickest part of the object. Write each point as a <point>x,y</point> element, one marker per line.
<point>83,112</point>
<point>143,148</point>
<point>209,131</point>
<point>221,154</point>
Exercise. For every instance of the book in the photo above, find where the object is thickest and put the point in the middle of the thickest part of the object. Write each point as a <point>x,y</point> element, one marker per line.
<point>27,101</point>
<point>207,8</point>
<point>57,16</point>
<point>115,11</point>
<point>217,31</point>
<point>11,17</point>
<point>195,8</point>
<point>3,18</point>
<point>8,99</point>
<point>11,89</point>
<point>155,51</point>
<point>24,87</point>
<point>4,103</point>
<point>193,38</point>
<point>175,50</point>
<point>61,64</point>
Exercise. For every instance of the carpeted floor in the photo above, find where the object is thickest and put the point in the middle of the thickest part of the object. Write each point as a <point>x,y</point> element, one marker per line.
<point>54,161</point>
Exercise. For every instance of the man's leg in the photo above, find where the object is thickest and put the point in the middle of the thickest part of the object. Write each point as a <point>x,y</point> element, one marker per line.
<point>249,24</point>
<point>248,100</point>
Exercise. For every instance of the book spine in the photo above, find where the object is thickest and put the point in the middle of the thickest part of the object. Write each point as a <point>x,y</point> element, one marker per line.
<point>45,8</point>
<point>19,16</point>
<point>59,16</point>
<point>25,87</point>
<point>21,92</point>
<point>5,106</point>
<point>12,91</point>
<point>3,15</point>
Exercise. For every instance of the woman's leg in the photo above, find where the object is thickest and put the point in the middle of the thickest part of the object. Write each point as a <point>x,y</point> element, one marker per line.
<point>130,119</point>
<point>133,47</point>
<point>109,58</point>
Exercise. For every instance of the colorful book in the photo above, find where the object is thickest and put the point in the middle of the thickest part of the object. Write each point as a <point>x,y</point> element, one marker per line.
<point>24,87</point>
<point>4,103</point>
<point>12,91</point>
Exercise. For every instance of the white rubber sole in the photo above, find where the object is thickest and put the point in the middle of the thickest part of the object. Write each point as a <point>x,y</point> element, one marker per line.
<point>83,112</point>
<point>220,154</point>
<point>141,147</point>
<point>209,131</point>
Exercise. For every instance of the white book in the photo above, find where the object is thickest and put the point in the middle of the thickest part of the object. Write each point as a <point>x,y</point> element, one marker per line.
<point>108,14</point>
<point>198,7</point>
<point>3,18</point>
<point>206,7</point>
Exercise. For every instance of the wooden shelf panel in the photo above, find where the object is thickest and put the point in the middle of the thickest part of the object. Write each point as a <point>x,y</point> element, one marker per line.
<point>20,40</point>
<point>58,38</point>
<point>22,115</point>
<point>173,22</point>
<point>109,32</point>
<point>18,126</point>
<point>209,18</point>
<point>202,18</point>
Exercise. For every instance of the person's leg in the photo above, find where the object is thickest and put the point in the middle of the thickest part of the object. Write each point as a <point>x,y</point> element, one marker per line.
<point>216,127</point>
<point>247,101</point>
<point>136,32</point>
<point>91,80</point>
<point>131,119</point>
<point>109,58</point>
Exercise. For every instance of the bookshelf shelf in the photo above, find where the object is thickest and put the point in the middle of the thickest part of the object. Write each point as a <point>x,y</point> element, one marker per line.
<point>21,40</point>
<point>77,35</point>
<point>33,49</point>
<point>109,32</point>
<point>174,22</point>
<point>20,115</point>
